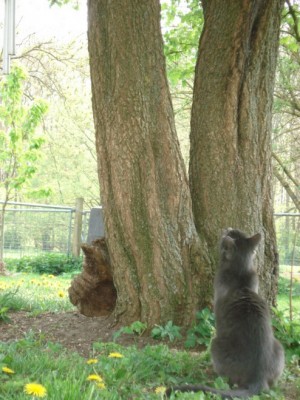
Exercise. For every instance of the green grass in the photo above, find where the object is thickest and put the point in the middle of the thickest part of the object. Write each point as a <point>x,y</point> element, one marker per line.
<point>37,293</point>
<point>136,375</point>
<point>64,375</point>
<point>44,363</point>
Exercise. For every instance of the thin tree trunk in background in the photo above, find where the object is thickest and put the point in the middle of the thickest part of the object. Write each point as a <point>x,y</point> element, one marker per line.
<point>2,222</point>
<point>230,160</point>
<point>291,193</point>
<point>2,216</point>
<point>160,268</point>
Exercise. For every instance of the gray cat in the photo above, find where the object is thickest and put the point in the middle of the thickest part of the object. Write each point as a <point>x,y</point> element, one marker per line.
<point>244,350</point>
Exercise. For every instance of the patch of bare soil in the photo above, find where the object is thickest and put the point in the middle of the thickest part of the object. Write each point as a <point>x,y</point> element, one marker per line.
<point>71,329</point>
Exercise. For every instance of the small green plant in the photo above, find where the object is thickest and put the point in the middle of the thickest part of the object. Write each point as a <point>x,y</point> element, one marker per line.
<point>170,331</point>
<point>136,328</point>
<point>221,383</point>
<point>202,332</point>
<point>3,314</point>
<point>5,305</point>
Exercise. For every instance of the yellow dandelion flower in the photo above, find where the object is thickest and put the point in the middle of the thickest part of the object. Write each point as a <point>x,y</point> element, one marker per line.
<point>7,370</point>
<point>115,355</point>
<point>61,293</point>
<point>92,361</point>
<point>50,276</point>
<point>94,377</point>
<point>35,389</point>
<point>160,389</point>
<point>101,385</point>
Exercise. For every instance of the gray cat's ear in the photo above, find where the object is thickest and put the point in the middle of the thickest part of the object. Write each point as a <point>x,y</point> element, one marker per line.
<point>255,239</point>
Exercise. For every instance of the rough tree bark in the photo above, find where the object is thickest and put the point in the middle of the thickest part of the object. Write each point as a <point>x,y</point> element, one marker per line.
<point>160,268</point>
<point>230,162</point>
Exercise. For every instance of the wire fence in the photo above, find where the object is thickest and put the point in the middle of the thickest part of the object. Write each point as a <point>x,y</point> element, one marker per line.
<point>34,229</point>
<point>288,238</point>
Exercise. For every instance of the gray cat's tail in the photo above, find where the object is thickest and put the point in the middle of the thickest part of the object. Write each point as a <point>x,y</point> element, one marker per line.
<point>225,394</point>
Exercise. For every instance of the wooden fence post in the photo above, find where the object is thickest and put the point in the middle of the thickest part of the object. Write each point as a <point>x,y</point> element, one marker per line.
<point>76,243</point>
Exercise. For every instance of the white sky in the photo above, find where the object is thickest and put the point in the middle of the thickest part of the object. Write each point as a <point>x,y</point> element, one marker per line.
<point>36,16</point>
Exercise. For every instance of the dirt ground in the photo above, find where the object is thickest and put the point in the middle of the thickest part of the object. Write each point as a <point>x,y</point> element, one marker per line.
<point>71,329</point>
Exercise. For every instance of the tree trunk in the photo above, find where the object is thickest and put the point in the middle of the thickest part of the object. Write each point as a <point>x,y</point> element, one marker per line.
<point>230,161</point>
<point>3,270</point>
<point>160,268</point>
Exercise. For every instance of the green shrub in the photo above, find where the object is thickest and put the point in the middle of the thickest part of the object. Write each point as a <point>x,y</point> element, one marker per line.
<point>55,264</point>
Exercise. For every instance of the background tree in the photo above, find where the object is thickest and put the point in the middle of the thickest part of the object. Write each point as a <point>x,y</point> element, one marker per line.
<point>60,72</point>
<point>19,143</point>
